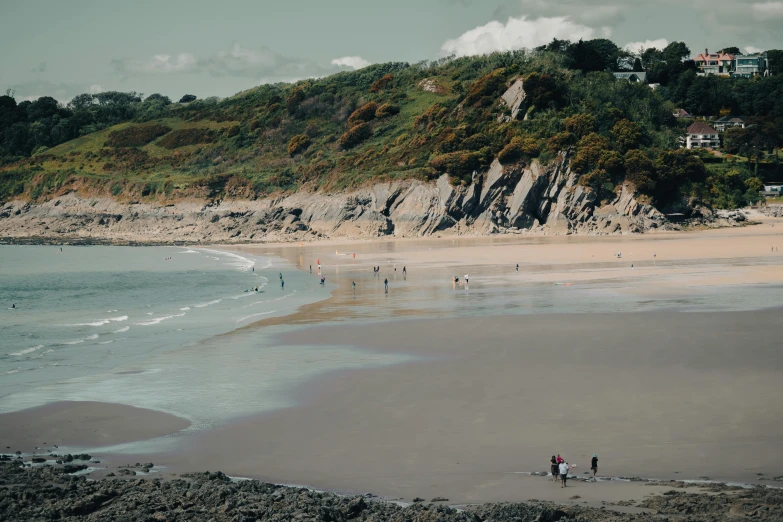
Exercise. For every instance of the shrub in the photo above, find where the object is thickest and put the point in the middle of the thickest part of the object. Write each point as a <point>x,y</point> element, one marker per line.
<point>187,98</point>
<point>363,114</point>
<point>355,135</point>
<point>296,97</point>
<point>381,83</point>
<point>580,124</point>
<point>486,87</point>
<point>460,164</point>
<point>475,142</point>
<point>387,109</point>
<point>184,137</point>
<point>627,135</point>
<point>298,143</point>
<point>560,141</point>
<point>136,135</point>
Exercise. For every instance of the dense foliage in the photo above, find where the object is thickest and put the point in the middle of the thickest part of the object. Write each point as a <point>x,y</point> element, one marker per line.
<point>397,120</point>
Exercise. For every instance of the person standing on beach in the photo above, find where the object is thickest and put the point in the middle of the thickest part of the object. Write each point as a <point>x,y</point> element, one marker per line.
<point>353,284</point>
<point>563,473</point>
<point>404,271</point>
<point>517,267</point>
<point>594,465</point>
<point>554,469</point>
<point>282,284</point>
<point>466,279</point>
<point>386,285</point>
<point>559,459</point>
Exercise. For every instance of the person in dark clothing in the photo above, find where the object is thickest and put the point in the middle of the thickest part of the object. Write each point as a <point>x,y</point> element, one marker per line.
<point>517,267</point>
<point>594,466</point>
<point>282,284</point>
<point>554,469</point>
<point>386,284</point>
<point>404,270</point>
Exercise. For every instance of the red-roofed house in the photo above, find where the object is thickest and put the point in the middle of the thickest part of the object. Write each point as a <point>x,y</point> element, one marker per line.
<point>701,136</point>
<point>716,63</point>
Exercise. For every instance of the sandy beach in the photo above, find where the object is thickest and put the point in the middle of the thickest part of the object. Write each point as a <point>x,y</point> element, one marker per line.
<point>666,369</point>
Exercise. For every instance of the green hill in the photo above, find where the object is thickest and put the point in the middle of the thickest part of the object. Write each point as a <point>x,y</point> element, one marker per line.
<point>394,121</point>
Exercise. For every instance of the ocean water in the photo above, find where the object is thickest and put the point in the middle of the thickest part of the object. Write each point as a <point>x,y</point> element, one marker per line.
<point>146,326</point>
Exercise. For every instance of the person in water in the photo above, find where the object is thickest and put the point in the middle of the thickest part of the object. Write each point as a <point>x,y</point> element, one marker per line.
<point>553,468</point>
<point>282,284</point>
<point>281,276</point>
<point>594,465</point>
<point>13,305</point>
<point>323,280</point>
<point>311,269</point>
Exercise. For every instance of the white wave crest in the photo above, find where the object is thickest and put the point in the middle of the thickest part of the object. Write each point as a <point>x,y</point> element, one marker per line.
<point>123,329</point>
<point>159,320</point>
<point>255,315</point>
<point>184,309</point>
<point>101,322</point>
<point>27,350</point>
<point>202,305</point>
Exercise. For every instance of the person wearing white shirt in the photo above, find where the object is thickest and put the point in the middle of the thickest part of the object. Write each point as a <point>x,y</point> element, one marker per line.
<point>563,473</point>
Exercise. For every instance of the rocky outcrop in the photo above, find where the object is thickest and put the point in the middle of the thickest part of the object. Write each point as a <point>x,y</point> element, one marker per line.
<point>46,493</point>
<point>511,199</point>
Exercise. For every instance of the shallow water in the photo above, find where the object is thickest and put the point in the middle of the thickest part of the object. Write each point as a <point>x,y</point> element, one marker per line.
<point>86,310</point>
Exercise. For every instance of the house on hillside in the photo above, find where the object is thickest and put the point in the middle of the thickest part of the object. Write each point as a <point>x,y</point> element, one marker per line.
<point>750,65</point>
<point>720,64</point>
<point>728,122</point>
<point>701,136</point>
<point>632,76</point>
<point>682,113</point>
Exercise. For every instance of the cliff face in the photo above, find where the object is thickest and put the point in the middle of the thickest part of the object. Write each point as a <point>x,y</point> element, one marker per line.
<point>521,199</point>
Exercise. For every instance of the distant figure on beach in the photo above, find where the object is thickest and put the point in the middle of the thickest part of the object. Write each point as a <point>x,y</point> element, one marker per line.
<point>517,267</point>
<point>323,280</point>
<point>13,305</point>
<point>466,279</point>
<point>354,255</point>
<point>386,284</point>
<point>281,276</point>
<point>311,269</point>
<point>553,468</point>
<point>353,284</point>
<point>594,465</point>
<point>404,271</point>
<point>559,459</point>
<point>563,473</point>
<point>631,266</point>
<point>253,269</point>
<point>619,255</point>
<point>282,284</point>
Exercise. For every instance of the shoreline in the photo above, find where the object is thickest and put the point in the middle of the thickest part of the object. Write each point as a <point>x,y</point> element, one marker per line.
<point>431,260</point>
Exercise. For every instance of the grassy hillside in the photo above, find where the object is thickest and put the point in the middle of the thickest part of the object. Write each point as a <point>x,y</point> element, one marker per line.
<point>386,121</point>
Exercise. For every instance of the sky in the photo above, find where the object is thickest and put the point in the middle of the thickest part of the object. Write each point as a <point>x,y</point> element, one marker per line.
<point>208,48</point>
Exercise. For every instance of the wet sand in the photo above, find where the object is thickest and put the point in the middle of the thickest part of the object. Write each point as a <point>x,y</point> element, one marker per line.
<point>660,395</point>
<point>491,396</point>
<point>82,424</point>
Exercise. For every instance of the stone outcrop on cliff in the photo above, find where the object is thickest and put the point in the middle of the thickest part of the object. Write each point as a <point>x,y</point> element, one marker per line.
<point>519,198</point>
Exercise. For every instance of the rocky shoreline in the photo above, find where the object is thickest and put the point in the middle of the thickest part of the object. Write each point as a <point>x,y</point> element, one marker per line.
<point>53,492</point>
<point>524,199</point>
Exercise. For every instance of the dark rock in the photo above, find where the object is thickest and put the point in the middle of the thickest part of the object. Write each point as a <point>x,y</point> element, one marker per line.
<point>38,460</point>
<point>439,499</point>
<point>417,499</point>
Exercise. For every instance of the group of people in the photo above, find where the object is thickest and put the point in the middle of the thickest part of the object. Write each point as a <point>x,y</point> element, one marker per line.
<point>559,469</point>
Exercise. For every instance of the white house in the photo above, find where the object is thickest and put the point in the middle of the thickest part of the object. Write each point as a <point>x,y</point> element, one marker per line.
<point>701,136</point>
<point>727,122</point>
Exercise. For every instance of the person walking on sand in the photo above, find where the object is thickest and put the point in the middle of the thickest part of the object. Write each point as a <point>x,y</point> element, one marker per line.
<point>553,468</point>
<point>563,473</point>
<point>353,284</point>
<point>594,466</point>
<point>404,271</point>
<point>517,267</point>
<point>386,285</point>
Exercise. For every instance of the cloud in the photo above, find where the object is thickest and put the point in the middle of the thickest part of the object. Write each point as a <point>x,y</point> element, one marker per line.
<point>516,33</point>
<point>157,64</point>
<point>262,64</point>
<point>752,50</point>
<point>41,67</point>
<point>354,62</point>
<point>636,47</point>
<point>96,89</point>
<point>62,92</point>
<point>767,10</point>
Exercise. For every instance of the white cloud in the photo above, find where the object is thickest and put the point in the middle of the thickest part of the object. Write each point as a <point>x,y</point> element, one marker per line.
<point>767,10</point>
<point>752,50</point>
<point>96,89</point>
<point>354,62</point>
<point>636,47</point>
<point>516,33</point>
<point>158,64</point>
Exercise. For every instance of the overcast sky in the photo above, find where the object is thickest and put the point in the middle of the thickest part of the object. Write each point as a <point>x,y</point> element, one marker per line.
<point>208,48</point>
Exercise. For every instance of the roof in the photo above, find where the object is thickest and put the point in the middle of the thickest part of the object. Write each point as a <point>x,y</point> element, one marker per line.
<point>700,128</point>
<point>730,119</point>
<point>682,113</point>
<point>713,57</point>
<point>640,76</point>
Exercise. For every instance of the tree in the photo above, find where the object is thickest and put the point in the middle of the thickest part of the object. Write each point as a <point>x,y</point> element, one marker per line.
<point>81,101</point>
<point>637,65</point>
<point>158,98</point>
<point>730,50</point>
<point>775,61</point>
<point>187,98</point>
<point>627,135</point>
<point>639,171</point>
<point>580,124</point>
<point>588,152</point>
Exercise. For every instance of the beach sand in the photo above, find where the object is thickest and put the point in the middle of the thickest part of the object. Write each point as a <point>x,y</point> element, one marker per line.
<point>491,396</point>
<point>83,423</point>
